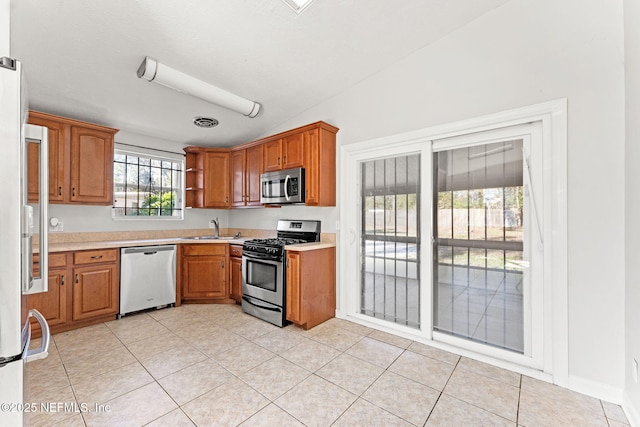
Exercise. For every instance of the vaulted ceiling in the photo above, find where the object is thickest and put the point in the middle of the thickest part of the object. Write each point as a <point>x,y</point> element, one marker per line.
<point>81,56</point>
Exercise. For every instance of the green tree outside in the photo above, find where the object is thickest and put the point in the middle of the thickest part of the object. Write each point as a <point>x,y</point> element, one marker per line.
<point>159,204</point>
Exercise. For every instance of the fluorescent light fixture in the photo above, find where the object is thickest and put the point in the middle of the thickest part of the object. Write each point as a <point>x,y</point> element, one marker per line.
<point>153,71</point>
<point>298,5</point>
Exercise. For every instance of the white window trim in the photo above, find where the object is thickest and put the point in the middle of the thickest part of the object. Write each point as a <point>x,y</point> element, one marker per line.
<point>158,155</point>
<point>553,119</point>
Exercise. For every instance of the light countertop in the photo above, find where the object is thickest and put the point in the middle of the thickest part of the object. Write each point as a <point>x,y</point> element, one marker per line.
<point>115,244</point>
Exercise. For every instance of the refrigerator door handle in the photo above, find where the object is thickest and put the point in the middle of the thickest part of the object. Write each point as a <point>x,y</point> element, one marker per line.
<point>39,135</point>
<point>43,351</point>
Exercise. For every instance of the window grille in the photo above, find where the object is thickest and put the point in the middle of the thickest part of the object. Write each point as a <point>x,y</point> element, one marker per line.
<point>390,270</point>
<point>147,186</point>
<point>479,230</point>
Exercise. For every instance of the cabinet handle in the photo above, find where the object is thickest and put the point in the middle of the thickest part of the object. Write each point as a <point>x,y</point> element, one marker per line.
<point>73,191</point>
<point>278,161</point>
<point>62,280</point>
<point>76,278</point>
<point>60,190</point>
<point>221,264</point>
<point>96,257</point>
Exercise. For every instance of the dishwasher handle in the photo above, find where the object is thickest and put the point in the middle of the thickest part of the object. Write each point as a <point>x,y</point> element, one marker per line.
<point>147,250</point>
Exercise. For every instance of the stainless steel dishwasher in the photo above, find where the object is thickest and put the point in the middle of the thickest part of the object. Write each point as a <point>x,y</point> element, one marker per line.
<point>147,277</point>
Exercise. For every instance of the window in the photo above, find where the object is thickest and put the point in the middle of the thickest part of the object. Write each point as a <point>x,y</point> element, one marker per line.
<point>147,185</point>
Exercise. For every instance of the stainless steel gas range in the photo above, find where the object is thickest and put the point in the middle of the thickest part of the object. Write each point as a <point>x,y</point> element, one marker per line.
<point>263,269</point>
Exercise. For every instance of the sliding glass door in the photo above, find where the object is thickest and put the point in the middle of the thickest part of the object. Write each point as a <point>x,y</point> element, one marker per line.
<point>481,286</point>
<point>390,239</point>
<point>457,235</point>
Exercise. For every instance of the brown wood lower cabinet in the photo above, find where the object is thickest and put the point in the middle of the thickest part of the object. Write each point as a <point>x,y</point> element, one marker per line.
<point>95,291</point>
<point>203,273</point>
<point>83,290</point>
<point>52,304</point>
<point>311,286</point>
<point>235,272</point>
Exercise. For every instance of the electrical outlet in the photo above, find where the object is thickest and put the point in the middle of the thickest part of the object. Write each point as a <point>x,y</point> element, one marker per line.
<point>55,225</point>
<point>634,370</point>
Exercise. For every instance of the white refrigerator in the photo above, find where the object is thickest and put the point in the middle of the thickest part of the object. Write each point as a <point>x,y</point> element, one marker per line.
<point>20,224</point>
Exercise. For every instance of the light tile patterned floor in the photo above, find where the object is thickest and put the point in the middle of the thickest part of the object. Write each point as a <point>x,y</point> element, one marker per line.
<point>212,365</point>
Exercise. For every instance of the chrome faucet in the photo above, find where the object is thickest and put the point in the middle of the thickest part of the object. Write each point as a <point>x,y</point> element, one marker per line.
<point>216,228</point>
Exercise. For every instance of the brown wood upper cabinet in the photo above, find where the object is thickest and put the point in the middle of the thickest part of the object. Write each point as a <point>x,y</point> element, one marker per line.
<point>223,178</point>
<point>246,167</point>
<point>284,153</point>
<point>313,147</point>
<point>207,178</point>
<point>80,161</point>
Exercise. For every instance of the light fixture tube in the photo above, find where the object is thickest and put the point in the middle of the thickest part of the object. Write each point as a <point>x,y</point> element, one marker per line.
<point>153,71</point>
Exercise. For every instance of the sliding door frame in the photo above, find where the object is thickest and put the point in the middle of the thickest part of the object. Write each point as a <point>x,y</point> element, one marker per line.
<point>552,117</point>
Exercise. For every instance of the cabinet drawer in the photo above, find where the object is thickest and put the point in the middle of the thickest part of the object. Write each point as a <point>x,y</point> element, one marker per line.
<point>204,249</point>
<point>55,260</point>
<point>94,257</point>
<point>235,250</point>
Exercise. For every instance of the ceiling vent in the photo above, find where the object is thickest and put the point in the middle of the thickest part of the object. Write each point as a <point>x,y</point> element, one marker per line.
<point>205,122</point>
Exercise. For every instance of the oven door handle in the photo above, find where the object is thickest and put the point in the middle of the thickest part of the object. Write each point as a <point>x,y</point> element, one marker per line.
<point>245,298</point>
<point>261,257</point>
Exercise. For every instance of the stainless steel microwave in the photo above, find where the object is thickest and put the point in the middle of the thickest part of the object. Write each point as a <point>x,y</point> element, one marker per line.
<point>280,187</point>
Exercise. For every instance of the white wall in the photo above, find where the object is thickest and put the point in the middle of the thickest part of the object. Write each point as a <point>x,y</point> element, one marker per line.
<point>267,218</point>
<point>5,27</point>
<point>632,199</point>
<point>523,53</point>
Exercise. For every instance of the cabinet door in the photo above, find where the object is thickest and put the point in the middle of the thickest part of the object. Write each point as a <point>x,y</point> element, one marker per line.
<point>91,166</point>
<point>312,167</point>
<point>235,272</point>
<point>253,170</point>
<point>204,277</point>
<point>95,291</point>
<point>272,155</point>
<point>57,188</point>
<point>294,297</point>
<point>293,151</point>
<point>53,303</point>
<point>216,185</point>
<point>238,184</point>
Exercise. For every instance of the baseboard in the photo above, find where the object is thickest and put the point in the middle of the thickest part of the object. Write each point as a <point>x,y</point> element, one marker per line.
<point>632,412</point>
<point>596,389</point>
